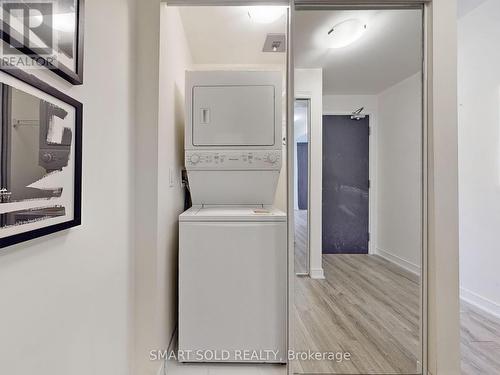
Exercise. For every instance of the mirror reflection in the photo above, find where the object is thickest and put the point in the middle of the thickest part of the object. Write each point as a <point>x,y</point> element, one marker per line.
<point>360,307</point>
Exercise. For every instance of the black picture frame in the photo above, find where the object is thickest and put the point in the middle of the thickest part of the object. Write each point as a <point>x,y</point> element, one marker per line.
<point>75,77</point>
<point>33,81</point>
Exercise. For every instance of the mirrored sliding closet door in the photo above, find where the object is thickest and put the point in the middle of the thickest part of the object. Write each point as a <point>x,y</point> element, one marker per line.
<point>359,190</point>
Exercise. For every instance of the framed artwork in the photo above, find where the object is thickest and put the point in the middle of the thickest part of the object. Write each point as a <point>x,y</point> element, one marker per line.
<point>50,32</point>
<point>40,158</point>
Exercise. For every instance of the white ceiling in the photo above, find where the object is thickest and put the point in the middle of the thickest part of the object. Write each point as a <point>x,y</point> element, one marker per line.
<point>389,51</point>
<point>226,35</point>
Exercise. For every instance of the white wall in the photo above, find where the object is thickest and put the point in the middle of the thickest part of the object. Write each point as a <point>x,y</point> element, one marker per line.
<point>170,157</point>
<point>346,104</point>
<point>399,174</point>
<point>309,85</point>
<point>160,145</point>
<point>479,155</point>
<point>65,299</point>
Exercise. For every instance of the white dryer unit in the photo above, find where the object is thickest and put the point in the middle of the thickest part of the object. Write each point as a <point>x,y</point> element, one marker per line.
<point>233,137</point>
<point>232,279</point>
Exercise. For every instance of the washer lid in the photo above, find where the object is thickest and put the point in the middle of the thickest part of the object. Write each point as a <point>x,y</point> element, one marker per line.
<point>232,213</point>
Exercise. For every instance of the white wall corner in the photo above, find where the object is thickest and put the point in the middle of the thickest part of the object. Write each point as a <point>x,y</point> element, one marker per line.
<point>479,153</point>
<point>408,266</point>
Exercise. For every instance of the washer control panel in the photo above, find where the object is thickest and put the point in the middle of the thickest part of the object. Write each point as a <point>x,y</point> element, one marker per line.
<point>234,160</point>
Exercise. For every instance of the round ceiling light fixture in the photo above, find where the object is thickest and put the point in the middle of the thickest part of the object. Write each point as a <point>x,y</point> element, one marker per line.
<point>345,33</point>
<point>265,14</point>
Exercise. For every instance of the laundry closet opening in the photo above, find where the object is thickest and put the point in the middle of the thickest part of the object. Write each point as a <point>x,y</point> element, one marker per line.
<point>227,83</point>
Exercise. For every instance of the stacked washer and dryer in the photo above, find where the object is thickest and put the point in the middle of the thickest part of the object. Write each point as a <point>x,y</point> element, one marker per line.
<point>233,252</point>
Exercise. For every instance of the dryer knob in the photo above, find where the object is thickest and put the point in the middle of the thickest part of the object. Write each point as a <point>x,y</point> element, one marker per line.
<point>194,159</point>
<point>47,157</point>
<point>272,158</point>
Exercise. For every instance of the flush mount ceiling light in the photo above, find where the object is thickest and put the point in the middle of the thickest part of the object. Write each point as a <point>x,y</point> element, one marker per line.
<point>345,33</point>
<point>265,14</point>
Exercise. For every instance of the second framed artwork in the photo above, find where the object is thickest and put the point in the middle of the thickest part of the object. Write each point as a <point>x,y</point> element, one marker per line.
<point>49,32</point>
<point>40,158</point>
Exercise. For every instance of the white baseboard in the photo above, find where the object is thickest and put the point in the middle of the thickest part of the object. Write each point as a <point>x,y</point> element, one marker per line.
<point>317,273</point>
<point>413,268</point>
<point>480,302</point>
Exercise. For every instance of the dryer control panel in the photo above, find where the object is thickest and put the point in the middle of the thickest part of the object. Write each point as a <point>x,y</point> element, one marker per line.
<point>233,160</point>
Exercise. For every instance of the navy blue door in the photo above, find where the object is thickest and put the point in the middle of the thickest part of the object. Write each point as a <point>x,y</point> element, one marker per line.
<point>345,185</point>
<point>303,174</point>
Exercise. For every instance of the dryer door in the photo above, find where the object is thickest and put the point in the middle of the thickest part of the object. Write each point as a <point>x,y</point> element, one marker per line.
<point>233,115</point>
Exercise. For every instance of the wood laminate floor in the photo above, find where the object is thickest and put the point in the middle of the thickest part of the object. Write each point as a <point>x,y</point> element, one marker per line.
<point>480,342</point>
<point>480,350</point>
<point>366,306</point>
<point>301,240</point>
<point>371,308</point>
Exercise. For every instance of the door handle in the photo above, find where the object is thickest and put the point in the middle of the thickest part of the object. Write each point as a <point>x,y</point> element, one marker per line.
<point>205,116</point>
